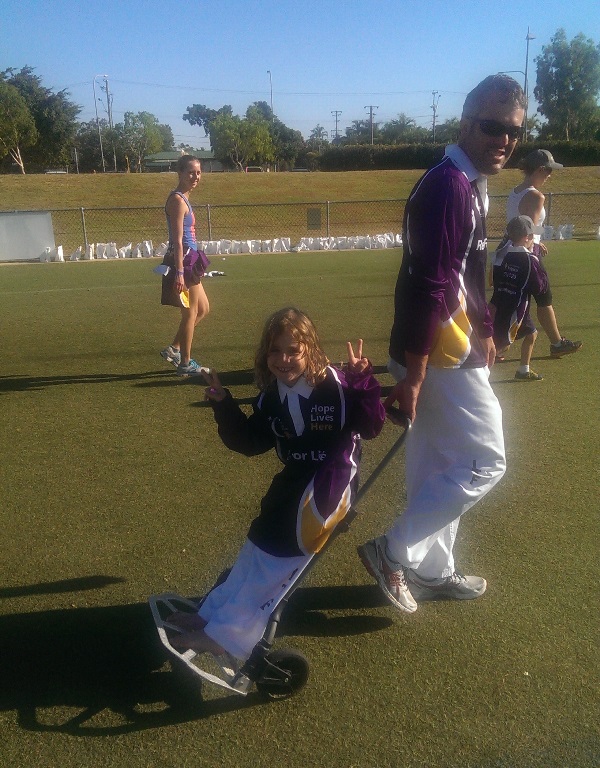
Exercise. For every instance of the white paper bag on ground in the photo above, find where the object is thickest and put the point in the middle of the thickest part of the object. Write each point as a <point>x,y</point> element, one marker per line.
<point>266,246</point>
<point>89,252</point>
<point>147,249</point>
<point>548,233</point>
<point>236,246</point>
<point>111,251</point>
<point>45,256</point>
<point>100,250</point>
<point>58,253</point>
<point>212,247</point>
<point>281,244</point>
<point>137,252</point>
<point>76,255</point>
<point>161,249</point>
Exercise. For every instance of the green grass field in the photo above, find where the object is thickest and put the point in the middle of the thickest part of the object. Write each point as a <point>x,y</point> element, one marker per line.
<point>116,486</point>
<point>35,192</point>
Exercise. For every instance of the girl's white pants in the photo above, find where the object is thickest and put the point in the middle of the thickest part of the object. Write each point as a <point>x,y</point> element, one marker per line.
<point>238,610</point>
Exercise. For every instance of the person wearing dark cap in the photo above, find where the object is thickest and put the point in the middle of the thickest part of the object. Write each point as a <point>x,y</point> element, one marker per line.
<point>526,199</point>
<point>519,276</point>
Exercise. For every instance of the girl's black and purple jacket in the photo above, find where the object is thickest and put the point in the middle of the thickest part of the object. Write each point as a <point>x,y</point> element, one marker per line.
<point>316,432</point>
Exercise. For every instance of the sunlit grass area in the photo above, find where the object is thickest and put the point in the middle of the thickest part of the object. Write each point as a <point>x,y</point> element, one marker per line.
<point>116,486</point>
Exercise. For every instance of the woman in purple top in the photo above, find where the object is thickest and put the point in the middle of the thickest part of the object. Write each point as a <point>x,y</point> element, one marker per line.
<point>182,285</point>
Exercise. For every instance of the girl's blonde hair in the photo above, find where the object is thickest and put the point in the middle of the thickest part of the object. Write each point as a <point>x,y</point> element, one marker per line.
<point>302,329</point>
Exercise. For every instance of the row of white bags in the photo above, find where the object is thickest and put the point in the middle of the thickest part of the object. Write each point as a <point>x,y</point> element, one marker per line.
<point>146,249</point>
<point>562,232</point>
<point>93,251</point>
<point>387,240</point>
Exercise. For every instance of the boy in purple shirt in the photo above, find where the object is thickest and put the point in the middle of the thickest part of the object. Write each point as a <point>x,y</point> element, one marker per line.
<point>517,276</point>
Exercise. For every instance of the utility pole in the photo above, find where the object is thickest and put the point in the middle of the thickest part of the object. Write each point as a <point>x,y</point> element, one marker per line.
<point>98,122</point>
<point>436,99</point>
<point>109,99</point>
<point>336,113</point>
<point>528,38</point>
<point>371,107</point>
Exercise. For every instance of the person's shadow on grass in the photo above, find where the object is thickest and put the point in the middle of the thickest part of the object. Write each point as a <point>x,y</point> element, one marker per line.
<point>165,377</point>
<point>103,671</point>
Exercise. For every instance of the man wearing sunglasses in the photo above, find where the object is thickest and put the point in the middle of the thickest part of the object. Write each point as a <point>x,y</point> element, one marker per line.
<point>441,350</point>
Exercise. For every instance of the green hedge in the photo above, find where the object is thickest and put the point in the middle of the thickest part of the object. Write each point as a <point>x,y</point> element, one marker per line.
<point>569,153</point>
<point>378,157</point>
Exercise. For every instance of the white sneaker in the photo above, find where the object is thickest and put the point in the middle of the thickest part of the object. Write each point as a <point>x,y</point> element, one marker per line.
<point>171,355</point>
<point>390,576</point>
<point>455,587</point>
<point>191,369</point>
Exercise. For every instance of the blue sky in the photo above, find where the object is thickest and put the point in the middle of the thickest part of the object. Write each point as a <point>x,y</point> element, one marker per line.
<point>162,56</point>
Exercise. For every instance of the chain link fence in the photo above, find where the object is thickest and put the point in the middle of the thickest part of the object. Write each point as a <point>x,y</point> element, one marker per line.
<point>79,226</point>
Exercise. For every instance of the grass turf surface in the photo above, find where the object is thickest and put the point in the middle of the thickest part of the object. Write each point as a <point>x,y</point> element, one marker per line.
<point>116,486</point>
<point>35,192</point>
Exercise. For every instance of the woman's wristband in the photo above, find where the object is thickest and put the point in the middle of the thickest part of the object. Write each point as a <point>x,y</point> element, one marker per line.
<point>180,271</point>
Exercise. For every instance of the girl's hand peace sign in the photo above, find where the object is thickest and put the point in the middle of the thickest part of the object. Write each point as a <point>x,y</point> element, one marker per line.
<point>356,363</point>
<point>215,390</point>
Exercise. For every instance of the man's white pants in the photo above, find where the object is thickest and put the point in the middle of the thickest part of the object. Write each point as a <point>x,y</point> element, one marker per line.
<point>454,456</point>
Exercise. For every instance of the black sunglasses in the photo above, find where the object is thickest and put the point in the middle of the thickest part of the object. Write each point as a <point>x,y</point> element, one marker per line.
<point>496,129</point>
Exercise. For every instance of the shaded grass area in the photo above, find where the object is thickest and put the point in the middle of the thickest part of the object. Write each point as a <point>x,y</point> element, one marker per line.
<point>116,486</point>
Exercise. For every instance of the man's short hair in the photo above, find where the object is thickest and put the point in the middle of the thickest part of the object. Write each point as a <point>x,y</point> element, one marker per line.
<point>503,88</point>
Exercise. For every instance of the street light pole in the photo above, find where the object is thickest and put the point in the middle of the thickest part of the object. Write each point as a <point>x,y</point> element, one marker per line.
<point>98,122</point>
<point>528,38</point>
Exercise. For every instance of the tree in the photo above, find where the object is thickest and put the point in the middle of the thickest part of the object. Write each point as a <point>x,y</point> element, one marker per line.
<point>403,130</point>
<point>318,139</point>
<point>447,132</point>
<point>287,142</point>
<point>258,138</point>
<point>17,127</point>
<point>139,135</point>
<point>201,115</point>
<point>568,83</point>
<point>54,115</point>
<point>87,144</point>
<point>237,142</point>
<point>360,133</point>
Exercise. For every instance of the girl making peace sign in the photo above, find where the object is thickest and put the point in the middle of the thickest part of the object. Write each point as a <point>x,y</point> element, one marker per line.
<point>314,416</point>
